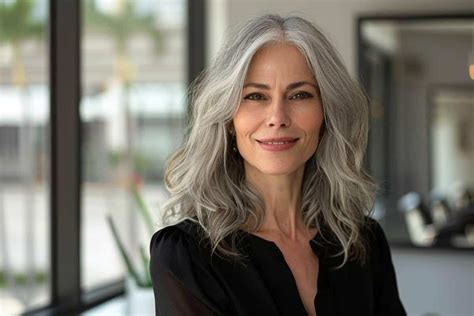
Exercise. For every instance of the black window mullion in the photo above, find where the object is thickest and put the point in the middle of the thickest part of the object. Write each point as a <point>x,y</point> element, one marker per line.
<point>65,154</point>
<point>196,34</point>
<point>196,39</point>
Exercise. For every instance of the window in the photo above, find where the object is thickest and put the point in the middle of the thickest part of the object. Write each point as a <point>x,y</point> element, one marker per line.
<point>132,112</point>
<point>24,156</point>
<point>135,69</point>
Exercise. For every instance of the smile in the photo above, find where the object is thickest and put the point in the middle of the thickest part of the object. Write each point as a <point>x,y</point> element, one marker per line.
<point>277,145</point>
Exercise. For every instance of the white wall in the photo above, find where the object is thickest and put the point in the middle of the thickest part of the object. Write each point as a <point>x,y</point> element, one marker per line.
<point>337,18</point>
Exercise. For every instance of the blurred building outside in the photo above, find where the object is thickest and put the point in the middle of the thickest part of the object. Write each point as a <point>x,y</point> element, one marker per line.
<point>154,95</point>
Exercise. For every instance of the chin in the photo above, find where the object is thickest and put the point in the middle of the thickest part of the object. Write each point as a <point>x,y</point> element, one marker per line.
<point>275,169</point>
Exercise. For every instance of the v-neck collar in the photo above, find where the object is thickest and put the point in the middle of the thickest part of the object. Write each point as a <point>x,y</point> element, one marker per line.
<point>277,277</point>
<point>282,284</point>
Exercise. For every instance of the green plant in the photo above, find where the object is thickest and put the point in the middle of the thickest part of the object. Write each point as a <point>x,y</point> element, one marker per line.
<point>22,278</point>
<point>17,25</point>
<point>140,275</point>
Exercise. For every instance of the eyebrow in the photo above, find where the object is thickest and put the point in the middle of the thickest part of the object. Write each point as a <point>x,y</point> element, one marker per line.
<point>291,86</point>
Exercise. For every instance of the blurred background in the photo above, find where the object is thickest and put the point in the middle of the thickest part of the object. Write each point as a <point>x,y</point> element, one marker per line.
<point>93,102</point>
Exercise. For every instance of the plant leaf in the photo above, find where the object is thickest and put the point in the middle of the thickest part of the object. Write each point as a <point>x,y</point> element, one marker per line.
<point>123,253</point>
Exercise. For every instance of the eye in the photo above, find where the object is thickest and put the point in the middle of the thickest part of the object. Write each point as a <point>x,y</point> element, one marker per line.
<point>301,95</point>
<point>254,96</point>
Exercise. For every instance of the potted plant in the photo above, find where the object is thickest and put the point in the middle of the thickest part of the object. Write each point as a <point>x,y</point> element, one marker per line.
<point>138,281</point>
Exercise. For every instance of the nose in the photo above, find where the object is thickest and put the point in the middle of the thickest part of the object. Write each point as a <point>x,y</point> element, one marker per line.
<point>278,114</point>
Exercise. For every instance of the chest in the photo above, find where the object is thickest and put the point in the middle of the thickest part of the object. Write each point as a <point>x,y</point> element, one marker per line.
<point>285,282</point>
<point>304,265</point>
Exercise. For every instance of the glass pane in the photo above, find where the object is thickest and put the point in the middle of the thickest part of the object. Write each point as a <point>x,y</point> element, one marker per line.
<point>24,156</point>
<point>133,112</point>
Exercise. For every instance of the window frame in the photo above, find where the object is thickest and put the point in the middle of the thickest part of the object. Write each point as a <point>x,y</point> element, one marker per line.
<point>66,294</point>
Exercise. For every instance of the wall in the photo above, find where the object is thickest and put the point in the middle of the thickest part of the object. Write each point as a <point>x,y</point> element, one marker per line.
<point>337,18</point>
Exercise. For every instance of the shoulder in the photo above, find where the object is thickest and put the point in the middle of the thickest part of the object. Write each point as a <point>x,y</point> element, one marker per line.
<point>183,280</point>
<point>374,232</point>
<point>174,234</point>
<point>174,246</point>
<point>377,242</point>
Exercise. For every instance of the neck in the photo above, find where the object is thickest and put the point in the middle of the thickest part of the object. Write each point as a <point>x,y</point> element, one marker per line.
<point>282,197</point>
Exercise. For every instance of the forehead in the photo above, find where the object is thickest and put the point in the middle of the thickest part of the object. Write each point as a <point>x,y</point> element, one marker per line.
<point>280,59</point>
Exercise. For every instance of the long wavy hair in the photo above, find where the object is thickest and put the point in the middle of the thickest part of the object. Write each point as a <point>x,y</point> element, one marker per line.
<point>206,178</point>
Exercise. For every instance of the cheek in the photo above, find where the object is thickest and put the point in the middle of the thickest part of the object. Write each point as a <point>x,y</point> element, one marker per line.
<point>245,123</point>
<point>311,123</point>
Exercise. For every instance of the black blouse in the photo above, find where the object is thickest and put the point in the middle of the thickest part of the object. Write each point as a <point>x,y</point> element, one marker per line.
<point>188,281</point>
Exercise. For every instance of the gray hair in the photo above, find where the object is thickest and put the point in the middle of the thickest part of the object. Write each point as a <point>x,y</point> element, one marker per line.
<point>207,180</point>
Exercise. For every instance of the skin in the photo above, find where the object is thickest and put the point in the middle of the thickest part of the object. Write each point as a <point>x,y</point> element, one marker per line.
<point>275,112</point>
<point>272,106</point>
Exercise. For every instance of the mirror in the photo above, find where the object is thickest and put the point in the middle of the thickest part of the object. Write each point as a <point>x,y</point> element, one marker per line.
<point>419,75</point>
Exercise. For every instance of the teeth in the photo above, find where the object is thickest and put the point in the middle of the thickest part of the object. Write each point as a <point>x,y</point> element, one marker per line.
<point>276,143</point>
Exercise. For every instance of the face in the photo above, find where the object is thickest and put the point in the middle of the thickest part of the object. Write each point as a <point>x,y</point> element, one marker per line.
<point>280,113</point>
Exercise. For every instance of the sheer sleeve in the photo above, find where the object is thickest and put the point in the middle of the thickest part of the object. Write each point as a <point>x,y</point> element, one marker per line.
<point>387,300</point>
<point>182,281</point>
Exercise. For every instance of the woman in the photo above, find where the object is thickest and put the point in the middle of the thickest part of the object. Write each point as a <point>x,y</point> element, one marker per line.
<point>268,191</point>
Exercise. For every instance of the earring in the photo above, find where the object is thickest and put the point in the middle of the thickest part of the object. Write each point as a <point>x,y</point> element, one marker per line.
<point>233,141</point>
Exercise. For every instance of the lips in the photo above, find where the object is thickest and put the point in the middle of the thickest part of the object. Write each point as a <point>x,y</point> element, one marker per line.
<point>278,140</point>
<point>277,144</point>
